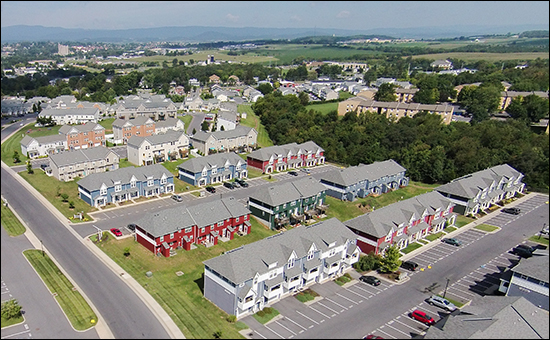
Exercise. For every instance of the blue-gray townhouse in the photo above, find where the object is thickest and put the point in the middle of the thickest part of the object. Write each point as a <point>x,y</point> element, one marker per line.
<point>364,179</point>
<point>125,184</point>
<point>215,168</point>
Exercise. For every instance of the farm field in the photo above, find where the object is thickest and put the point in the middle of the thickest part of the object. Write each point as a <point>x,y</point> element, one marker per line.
<point>485,56</point>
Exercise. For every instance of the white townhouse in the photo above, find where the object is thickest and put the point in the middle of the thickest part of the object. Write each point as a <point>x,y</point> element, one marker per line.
<point>240,138</point>
<point>68,165</point>
<point>72,115</point>
<point>244,280</point>
<point>169,124</point>
<point>157,148</point>
<point>34,147</point>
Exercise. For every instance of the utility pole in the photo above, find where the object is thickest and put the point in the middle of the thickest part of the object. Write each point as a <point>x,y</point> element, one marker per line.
<point>445,292</point>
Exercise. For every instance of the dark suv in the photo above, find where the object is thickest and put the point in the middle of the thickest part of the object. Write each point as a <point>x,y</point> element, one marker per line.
<point>522,252</point>
<point>241,182</point>
<point>229,185</point>
<point>211,189</point>
<point>513,211</point>
<point>409,265</point>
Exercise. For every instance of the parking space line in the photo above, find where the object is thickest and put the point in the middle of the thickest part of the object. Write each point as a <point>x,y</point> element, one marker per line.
<point>365,290</point>
<point>405,324</point>
<point>326,316</point>
<point>381,331</point>
<point>332,310</point>
<point>294,322</point>
<point>260,334</point>
<point>351,291</point>
<point>15,334</point>
<point>400,331</point>
<point>278,323</point>
<point>347,299</point>
<point>307,317</point>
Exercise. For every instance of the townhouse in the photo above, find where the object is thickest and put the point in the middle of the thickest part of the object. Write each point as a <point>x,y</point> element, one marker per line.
<point>402,95</point>
<point>174,124</point>
<point>205,224</point>
<point>83,136</point>
<point>394,110</point>
<point>402,223</point>
<point>529,278</point>
<point>476,192</point>
<point>212,169</point>
<point>287,156</point>
<point>364,179</point>
<point>34,147</point>
<point>288,203</point>
<point>124,129</point>
<point>241,138</point>
<point>507,96</point>
<point>71,115</point>
<point>124,184</point>
<point>226,120</point>
<point>244,280</point>
<point>155,107</point>
<point>442,64</point>
<point>68,165</point>
<point>251,94</point>
<point>153,149</point>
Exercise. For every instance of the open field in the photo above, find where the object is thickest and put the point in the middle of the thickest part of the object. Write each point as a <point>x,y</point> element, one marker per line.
<point>485,56</point>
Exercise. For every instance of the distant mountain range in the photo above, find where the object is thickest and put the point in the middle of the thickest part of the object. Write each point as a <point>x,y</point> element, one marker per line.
<point>200,34</point>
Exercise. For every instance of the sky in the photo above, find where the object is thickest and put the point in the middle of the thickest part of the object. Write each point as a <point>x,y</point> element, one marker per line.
<point>355,15</point>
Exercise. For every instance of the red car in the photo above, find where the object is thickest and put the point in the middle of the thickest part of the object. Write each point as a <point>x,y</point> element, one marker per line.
<point>422,317</point>
<point>372,336</point>
<point>116,231</point>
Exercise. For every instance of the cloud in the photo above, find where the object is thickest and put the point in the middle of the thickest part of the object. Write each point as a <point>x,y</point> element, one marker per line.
<point>343,14</point>
<point>231,17</point>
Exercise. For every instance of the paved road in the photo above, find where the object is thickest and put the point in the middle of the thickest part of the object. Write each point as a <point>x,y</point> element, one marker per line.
<point>44,319</point>
<point>196,122</point>
<point>125,313</point>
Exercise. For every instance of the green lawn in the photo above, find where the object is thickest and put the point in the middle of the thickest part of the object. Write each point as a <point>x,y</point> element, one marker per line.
<point>265,315</point>
<point>252,120</point>
<point>80,314</point>
<point>49,187</point>
<point>10,222</point>
<point>11,321</point>
<point>14,142</point>
<point>486,227</point>
<point>411,247</point>
<point>107,123</point>
<point>306,295</point>
<point>186,120</point>
<point>182,296</point>
<point>539,239</point>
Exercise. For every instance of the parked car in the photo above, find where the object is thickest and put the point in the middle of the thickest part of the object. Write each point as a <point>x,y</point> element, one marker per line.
<point>522,252</point>
<point>211,189</point>
<point>526,247</point>
<point>306,170</point>
<point>422,317</point>
<point>441,302</point>
<point>409,265</point>
<point>513,211</point>
<point>131,226</point>
<point>229,185</point>
<point>452,241</point>
<point>116,231</point>
<point>293,173</point>
<point>241,182</point>
<point>372,336</point>
<point>370,280</point>
<point>177,198</point>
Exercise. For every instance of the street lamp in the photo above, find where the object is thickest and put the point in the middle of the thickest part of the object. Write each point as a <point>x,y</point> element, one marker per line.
<point>445,292</point>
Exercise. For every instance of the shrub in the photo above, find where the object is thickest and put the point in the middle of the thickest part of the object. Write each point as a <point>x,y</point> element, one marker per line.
<point>261,313</point>
<point>127,251</point>
<point>231,318</point>
<point>11,309</point>
<point>71,205</point>
<point>64,197</point>
<point>368,262</point>
<point>268,310</point>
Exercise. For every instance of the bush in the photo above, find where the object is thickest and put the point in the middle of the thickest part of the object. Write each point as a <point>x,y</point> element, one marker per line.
<point>268,310</point>
<point>71,205</point>
<point>368,262</point>
<point>261,313</point>
<point>64,197</point>
<point>11,309</point>
<point>127,251</point>
<point>231,318</point>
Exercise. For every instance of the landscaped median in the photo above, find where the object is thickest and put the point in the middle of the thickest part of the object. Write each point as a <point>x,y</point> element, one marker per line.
<point>80,314</point>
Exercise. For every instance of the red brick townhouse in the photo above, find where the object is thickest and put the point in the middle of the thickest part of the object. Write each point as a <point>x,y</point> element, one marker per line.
<point>203,224</point>
<point>287,156</point>
<point>83,136</point>
<point>403,222</point>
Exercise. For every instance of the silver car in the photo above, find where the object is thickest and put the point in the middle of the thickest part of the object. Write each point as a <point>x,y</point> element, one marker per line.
<point>441,302</point>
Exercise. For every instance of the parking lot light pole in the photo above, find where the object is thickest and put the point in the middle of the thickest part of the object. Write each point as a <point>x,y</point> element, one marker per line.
<point>447,285</point>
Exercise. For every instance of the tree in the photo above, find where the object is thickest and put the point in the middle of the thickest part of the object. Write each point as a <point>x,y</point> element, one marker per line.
<point>390,262</point>
<point>29,167</point>
<point>265,88</point>
<point>16,158</point>
<point>204,126</point>
<point>386,93</point>
<point>304,98</point>
<point>536,107</point>
<point>194,131</point>
<point>11,309</point>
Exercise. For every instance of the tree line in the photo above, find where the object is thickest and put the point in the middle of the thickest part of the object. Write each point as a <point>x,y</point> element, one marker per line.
<point>431,152</point>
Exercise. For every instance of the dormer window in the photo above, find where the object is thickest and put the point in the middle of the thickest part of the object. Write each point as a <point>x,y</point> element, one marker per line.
<point>290,263</point>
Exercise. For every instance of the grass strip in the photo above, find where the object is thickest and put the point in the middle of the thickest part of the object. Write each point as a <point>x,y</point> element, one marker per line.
<point>78,311</point>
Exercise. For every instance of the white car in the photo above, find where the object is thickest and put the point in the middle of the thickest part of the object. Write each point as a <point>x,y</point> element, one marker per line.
<point>441,302</point>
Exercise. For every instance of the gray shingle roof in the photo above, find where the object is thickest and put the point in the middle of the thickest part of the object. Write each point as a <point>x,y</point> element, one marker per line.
<point>470,185</point>
<point>243,263</point>
<point>70,111</point>
<point>138,121</point>
<point>289,191</point>
<point>90,126</point>
<point>264,154</point>
<point>43,139</point>
<point>495,317</point>
<point>169,136</point>
<point>80,156</point>
<point>170,220</point>
<point>219,160</point>
<point>361,172</point>
<point>94,181</point>
<point>380,222</point>
<point>239,131</point>
<point>535,267</point>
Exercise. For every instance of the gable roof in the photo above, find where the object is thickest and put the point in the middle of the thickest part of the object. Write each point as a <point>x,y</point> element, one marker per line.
<point>238,131</point>
<point>241,264</point>
<point>124,175</point>
<point>362,172</point>
<point>218,160</point>
<point>80,156</point>
<point>264,154</point>
<point>43,139</point>
<point>381,221</point>
<point>90,126</point>
<point>167,137</point>
<point>138,121</point>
